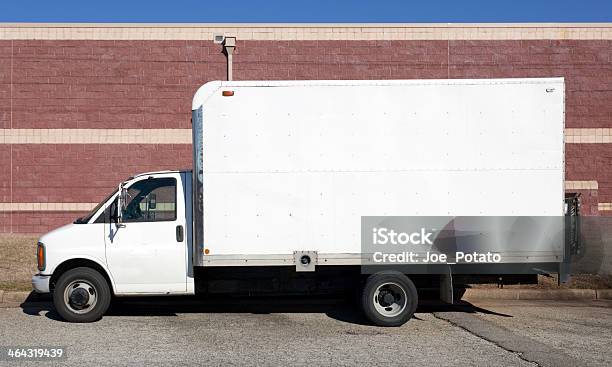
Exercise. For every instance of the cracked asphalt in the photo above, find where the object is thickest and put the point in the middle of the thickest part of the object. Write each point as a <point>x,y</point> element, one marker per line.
<point>167,331</point>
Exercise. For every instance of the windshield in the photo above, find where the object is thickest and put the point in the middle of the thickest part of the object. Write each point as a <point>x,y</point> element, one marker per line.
<point>84,219</point>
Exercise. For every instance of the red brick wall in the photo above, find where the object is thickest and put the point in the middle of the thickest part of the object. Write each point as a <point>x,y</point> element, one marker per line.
<point>109,84</point>
<point>85,173</point>
<point>149,84</point>
<point>41,222</point>
<point>5,84</point>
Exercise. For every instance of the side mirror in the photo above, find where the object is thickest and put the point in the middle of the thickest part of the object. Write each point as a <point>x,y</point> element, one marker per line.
<point>122,200</point>
<point>152,201</point>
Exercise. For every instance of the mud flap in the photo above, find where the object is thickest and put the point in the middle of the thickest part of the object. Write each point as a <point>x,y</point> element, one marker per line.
<point>446,286</point>
<point>572,235</point>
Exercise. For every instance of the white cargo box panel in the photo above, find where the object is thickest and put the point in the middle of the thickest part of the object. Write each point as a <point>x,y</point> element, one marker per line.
<point>294,165</point>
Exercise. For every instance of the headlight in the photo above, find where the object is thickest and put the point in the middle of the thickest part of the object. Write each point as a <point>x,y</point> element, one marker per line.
<point>40,256</point>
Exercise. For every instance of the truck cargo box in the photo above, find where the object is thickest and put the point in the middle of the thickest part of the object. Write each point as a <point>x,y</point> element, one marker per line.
<point>292,166</point>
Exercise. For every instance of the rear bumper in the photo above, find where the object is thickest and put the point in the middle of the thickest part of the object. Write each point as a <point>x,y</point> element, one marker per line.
<point>40,283</point>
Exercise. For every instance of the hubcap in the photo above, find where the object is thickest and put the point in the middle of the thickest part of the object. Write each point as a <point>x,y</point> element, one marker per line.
<point>390,299</point>
<point>80,296</point>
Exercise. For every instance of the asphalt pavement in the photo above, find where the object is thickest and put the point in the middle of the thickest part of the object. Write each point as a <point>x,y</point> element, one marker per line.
<point>169,331</point>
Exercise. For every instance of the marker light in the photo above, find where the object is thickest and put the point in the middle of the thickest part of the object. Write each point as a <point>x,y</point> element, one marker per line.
<point>40,256</point>
<point>227,93</point>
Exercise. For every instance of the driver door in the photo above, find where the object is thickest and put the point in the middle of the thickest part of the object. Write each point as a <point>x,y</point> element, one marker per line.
<point>147,252</point>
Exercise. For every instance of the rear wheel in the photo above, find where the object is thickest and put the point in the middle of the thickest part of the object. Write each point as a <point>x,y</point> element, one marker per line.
<point>81,295</point>
<point>389,299</point>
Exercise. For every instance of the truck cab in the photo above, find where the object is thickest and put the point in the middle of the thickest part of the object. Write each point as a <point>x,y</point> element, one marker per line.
<point>143,249</point>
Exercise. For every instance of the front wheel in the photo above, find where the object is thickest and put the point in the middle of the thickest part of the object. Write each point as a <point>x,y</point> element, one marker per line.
<point>389,299</point>
<point>81,295</point>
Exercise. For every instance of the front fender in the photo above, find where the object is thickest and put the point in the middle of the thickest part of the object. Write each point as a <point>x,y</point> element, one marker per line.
<point>80,261</point>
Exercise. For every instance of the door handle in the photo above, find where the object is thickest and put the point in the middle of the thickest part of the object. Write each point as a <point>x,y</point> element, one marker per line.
<point>179,233</point>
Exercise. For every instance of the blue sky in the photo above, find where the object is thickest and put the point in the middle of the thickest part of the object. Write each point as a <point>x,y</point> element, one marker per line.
<point>275,11</point>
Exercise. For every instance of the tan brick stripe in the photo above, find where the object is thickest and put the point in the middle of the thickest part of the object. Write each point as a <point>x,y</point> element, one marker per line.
<point>119,31</point>
<point>604,206</point>
<point>183,136</point>
<point>95,136</point>
<point>46,207</point>
<point>588,136</point>
<point>581,185</point>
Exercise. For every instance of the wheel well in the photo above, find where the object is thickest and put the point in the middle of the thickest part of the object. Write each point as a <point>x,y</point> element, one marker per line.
<point>78,263</point>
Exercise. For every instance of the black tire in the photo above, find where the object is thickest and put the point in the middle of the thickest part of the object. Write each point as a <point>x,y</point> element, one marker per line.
<point>95,290</point>
<point>398,289</point>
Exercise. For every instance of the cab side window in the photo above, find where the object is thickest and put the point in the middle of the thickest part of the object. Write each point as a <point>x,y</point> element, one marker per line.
<point>151,200</point>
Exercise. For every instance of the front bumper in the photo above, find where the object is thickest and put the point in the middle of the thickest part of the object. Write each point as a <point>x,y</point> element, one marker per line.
<point>40,283</point>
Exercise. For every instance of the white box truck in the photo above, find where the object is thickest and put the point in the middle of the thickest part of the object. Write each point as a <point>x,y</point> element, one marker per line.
<point>284,173</point>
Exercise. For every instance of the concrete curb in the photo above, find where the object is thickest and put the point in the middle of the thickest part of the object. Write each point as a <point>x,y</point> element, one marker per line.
<point>604,294</point>
<point>537,294</point>
<point>12,298</point>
